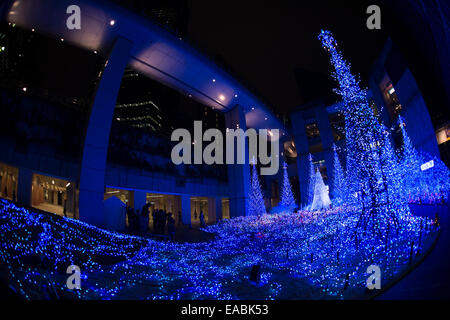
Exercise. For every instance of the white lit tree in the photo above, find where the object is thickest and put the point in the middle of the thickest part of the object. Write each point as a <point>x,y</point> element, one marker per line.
<point>256,201</point>
<point>287,197</point>
<point>321,198</point>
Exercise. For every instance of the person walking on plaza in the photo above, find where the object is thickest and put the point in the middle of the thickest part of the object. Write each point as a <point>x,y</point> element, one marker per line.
<point>144,218</point>
<point>162,217</point>
<point>171,226</point>
<point>202,220</point>
<point>65,209</point>
<point>136,220</point>
<point>155,218</point>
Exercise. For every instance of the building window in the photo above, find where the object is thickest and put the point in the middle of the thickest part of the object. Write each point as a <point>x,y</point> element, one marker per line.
<point>337,123</point>
<point>312,131</point>
<point>392,101</point>
<point>443,134</point>
<point>289,149</point>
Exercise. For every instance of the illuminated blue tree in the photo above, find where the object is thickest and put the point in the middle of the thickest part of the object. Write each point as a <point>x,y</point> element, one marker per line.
<point>311,181</point>
<point>391,180</point>
<point>425,178</point>
<point>410,166</point>
<point>371,165</point>
<point>339,193</point>
<point>287,197</point>
<point>256,205</point>
<point>434,180</point>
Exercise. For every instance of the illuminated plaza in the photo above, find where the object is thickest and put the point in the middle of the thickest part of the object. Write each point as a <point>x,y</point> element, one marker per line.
<point>88,181</point>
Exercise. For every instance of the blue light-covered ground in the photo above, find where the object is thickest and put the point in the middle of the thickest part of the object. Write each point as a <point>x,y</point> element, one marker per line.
<point>302,256</point>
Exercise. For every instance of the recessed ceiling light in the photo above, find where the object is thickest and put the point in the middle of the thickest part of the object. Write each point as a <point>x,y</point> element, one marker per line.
<point>214,80</point>
<point>235,95</point>
<point>221,97</point>
<point>112,22</point>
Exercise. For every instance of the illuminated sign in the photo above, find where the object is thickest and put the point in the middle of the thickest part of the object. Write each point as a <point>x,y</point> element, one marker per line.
<point>427,165</point>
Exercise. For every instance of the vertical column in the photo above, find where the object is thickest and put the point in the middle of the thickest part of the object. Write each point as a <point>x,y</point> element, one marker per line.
<point>212,217</point>
<point>24,186</point>
<point>139,199</point>
<point>326,136</point>
<point>301,145</point>
<point>177,208</point>
<point>186,209</point>
<point>218,204</point>
<point>70,202</point>
<point>93,163</point>
<point>238,174</point>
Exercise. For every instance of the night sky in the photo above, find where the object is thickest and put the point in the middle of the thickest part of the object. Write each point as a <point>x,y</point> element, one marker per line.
<point>264,43</point>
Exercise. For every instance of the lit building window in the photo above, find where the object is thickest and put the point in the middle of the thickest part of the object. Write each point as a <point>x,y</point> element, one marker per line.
<point>443,134</point>
<point>337,123</point>
<point>312,131</point>
<point>391,99</point>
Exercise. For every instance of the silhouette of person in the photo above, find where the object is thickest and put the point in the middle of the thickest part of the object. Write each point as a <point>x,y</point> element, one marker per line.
<point>202,220</point>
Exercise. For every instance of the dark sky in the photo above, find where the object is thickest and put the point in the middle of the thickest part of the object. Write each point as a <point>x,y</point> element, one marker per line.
<point>264,42</point>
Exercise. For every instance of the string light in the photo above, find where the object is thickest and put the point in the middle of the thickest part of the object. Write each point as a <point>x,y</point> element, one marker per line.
<point>302,255</point>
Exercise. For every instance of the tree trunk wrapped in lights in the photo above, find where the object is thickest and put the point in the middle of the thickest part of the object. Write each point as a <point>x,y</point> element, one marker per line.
<point>339,182</point>
<point>372,168</point>
<point>311,182</point>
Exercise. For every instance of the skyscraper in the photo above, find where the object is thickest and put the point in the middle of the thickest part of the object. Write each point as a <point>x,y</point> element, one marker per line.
<point>135,106</point>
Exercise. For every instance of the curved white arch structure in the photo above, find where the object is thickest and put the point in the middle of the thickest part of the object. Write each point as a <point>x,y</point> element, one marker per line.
<point>127,39</point>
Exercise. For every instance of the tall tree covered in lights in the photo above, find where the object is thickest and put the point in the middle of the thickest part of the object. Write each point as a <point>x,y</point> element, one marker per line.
<point>256,205</point>
<point>429,184</point>
<point>410,165</point>
<point>321,198</point>
<point>371,162</point>
<point>287,197</point>
<point>311,181</point>
<point>339,182</point>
